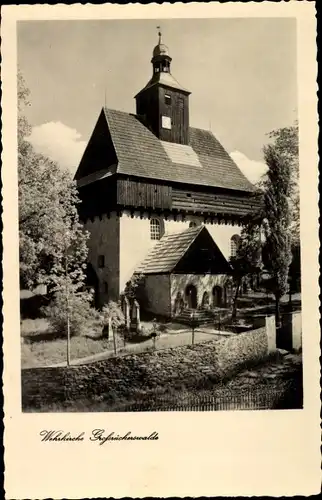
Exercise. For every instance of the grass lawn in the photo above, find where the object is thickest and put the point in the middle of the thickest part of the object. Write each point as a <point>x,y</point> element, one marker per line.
<point>41,348</point>
<point>45,353</point>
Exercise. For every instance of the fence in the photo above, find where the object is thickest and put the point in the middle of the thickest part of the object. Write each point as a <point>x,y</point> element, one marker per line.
<point>245,400</point>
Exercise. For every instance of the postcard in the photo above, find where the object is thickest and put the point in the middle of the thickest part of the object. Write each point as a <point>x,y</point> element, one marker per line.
<point>160,222</point>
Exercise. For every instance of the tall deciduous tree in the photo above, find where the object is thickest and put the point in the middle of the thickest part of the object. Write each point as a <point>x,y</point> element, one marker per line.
<point>47,209</point>
<point>52,240</point>
<point>286,144</point>
<point>277,221</point>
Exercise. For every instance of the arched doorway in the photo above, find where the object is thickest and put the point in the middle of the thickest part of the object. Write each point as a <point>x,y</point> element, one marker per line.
<point>205,301</point>
<point>191,296</point>
<point>217,296</point>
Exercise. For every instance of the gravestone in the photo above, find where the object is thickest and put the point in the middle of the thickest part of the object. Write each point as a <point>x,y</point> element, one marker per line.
<point>270,327</point>
<point>126,312</point>
<point>135,317</point>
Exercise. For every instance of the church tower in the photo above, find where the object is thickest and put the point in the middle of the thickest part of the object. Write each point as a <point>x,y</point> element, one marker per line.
<point>163,104</point>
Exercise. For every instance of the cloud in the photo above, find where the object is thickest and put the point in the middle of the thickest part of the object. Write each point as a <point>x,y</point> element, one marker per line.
<point>63,145</point>
<point>58,142</point>
<point>252,169</point>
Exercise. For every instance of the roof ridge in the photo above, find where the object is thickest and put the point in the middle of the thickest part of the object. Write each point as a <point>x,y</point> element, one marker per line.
<point>141,153</point>
<point>165,237</point>
<point>198,231</point>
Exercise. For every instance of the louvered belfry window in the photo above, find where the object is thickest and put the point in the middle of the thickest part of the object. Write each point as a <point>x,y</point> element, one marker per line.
<point>155,229</point>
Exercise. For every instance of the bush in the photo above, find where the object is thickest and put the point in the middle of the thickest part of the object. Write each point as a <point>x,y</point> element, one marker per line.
<point>134,288</point>
<point>83,318</point>
<point>114,312</point>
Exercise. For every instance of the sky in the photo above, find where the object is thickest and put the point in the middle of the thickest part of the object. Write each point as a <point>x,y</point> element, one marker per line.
<point>241,74</point>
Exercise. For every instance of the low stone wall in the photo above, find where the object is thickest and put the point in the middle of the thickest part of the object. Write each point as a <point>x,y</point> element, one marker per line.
<point>124,377</point>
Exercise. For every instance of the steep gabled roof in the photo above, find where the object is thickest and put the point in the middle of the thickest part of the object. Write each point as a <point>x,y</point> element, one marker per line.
<point>140,153</point>
<point>173,250</point>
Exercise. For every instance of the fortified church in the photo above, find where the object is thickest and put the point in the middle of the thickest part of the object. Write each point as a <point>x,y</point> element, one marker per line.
<point>161,198</point>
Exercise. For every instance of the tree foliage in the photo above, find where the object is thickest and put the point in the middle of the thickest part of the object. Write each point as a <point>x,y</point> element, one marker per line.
<point>48,218</point>
<point>286,145</point>
<point>277,220</point>
<point>134,288</point>
<point>52,240</point>
<point>247,261</point>
<point>113,311</point>
<point>82,318</point>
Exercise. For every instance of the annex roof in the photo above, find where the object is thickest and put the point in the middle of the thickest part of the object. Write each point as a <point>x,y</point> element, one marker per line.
<point>170,250</point>
<point>164,256</point>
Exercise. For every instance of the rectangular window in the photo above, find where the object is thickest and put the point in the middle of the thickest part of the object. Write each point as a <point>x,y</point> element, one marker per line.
<point>166,122</point>
<point>167,99</point>
<point>101,261</point>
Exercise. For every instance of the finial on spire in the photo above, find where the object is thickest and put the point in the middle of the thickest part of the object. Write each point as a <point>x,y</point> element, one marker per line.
<point>159,33</point>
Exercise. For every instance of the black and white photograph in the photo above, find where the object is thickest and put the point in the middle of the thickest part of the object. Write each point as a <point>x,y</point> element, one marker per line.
<point>162,257</point>
<point>159,215</point>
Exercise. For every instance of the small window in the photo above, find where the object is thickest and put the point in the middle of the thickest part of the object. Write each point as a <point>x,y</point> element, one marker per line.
<point>105,287</point>
<point>155,229</point>
<point>101,261</point>
<point>167,99</point>
<point>234,242</point>
<point>192,224</point>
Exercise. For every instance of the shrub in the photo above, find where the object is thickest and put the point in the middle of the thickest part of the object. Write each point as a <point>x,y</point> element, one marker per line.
<point>134,288</point>
<point>83,318</point>
<point>114,312</point>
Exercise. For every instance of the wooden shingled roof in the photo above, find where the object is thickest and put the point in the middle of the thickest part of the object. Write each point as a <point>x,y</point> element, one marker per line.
<point>137,152</point>
<point>140,153</point>
<point>165,256</point>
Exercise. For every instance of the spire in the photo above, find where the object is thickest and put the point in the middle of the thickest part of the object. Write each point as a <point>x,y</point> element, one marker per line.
<point>159,34</point>
<point>161,59</point>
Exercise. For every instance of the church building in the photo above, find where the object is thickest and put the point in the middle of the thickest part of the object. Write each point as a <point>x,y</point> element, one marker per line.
<point>161,198</point>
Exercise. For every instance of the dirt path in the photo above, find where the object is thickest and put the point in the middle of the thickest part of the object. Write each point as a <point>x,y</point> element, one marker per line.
<point>167,340</point>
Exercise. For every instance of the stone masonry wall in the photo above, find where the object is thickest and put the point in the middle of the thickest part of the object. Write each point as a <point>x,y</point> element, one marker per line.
<point>157,294</point>
<point>123,377</point>
<point>203,283</point>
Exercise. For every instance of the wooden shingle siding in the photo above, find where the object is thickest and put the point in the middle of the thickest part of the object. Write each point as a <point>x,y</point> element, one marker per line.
<point>143,195</point>
<point>211,202</point>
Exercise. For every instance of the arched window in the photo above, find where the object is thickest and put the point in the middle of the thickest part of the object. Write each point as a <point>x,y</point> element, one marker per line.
<point>217,296</point>
<point>234,242</point>
<point>156,229</point>
<point>192,224</point>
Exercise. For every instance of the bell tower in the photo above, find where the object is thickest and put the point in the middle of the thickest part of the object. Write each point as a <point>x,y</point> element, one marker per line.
<point>163,102</point>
